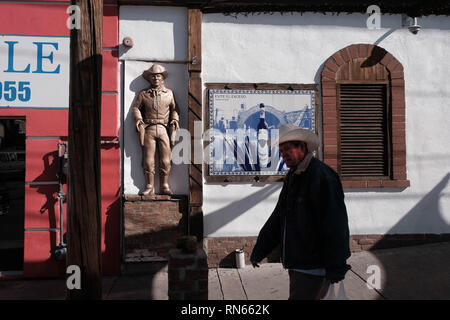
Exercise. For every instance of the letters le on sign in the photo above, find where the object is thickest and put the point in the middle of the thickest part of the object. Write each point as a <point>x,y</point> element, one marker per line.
<point>34,71</point>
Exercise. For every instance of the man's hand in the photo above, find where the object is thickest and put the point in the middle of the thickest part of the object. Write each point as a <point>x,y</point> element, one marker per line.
<point>175,124</point>
<point>139,123</point>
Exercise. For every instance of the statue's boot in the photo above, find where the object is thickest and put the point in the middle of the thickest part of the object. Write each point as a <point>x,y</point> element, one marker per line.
<point>149,179</point>
<point>164,185</point>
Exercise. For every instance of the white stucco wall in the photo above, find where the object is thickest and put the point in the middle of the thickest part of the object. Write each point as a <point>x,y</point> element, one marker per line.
<point>159,33</point>
<point>291,48</point>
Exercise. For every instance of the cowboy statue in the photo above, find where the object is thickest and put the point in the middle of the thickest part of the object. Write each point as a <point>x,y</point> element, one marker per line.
<point>157,118</point>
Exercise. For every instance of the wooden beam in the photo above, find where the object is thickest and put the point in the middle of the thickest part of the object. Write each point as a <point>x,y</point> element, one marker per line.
<point>84,202</point>
<point>195,114</point>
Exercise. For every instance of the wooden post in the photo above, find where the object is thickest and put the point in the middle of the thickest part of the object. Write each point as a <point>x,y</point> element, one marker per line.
<point>195,114</point>
<point>84,205</point>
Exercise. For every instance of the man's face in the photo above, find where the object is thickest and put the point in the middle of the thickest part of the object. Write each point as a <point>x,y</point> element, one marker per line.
<point>156,79</point>
<point>292,155</point>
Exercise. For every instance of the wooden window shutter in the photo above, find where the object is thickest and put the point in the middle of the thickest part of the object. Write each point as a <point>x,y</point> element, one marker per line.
<point>363,130</point>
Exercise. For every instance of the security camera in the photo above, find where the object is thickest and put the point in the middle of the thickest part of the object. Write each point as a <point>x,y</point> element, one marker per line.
<point>414,28</point>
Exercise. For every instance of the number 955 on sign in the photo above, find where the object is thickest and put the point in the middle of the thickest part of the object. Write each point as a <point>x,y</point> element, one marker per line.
<point>11,91</point>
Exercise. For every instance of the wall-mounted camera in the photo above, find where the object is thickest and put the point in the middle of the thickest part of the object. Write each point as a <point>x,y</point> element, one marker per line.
<point>414,29</point>
<point>411,23</point>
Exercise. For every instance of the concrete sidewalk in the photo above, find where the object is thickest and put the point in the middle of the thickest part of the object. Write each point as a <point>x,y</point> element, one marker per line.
<point>420,272</point>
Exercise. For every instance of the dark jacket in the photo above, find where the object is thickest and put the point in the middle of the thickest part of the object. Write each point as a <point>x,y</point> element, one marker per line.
<point>311,209</point>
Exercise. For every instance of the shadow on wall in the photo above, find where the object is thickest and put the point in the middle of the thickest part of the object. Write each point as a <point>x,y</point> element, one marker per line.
<point>426,214</point>
<point>111,255</point>
<point>110,215</point>
<point>161,239</point>
<point>402,269</point>
<point>50,208</point>
<point>50,192</point>
<point>217,219</point>
<point>421,273</point>
<point>402,278</point>
<point>133,150</point>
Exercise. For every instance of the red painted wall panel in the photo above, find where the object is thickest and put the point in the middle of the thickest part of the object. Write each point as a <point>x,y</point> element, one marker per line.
<point>110,26</point>
<point>41,204</point>
<point>42,207</point>
<point>47,123</point>
<point>41,160</point>
<point>38,261</point>
<point>50,1</point>
<point>110,115</point>
<point>50,19</point>
<point>34,19</point>
<point>42,211</point>
<point>41,122</point>
<point>110,71</point>
<point>111,204</point>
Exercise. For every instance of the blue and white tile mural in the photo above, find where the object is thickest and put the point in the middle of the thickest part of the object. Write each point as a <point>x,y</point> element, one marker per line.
<point>244,126</point>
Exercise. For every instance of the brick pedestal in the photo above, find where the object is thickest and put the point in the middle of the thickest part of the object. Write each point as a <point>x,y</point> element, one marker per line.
<point>152,225</point>
<point>188,275</point>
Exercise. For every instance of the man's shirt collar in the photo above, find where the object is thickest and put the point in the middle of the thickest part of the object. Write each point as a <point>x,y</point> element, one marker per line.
<point>303,165</point>
<point>157,91</point>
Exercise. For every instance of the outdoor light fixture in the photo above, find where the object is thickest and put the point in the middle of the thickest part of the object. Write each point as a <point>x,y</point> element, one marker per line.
<point>411,23</point>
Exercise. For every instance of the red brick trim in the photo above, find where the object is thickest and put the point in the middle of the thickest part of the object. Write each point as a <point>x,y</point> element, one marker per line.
<point>348,184</point>
<point>220,250</point>
<point>329,112</point>
<point>365,242</point>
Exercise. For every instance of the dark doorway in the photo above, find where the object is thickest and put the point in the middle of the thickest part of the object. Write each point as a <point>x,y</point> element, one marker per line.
<point>12,193</point>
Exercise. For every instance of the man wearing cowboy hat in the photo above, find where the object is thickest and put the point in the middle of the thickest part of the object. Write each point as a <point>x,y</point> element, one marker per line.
<point>156,112</point>
<point>309,221</point>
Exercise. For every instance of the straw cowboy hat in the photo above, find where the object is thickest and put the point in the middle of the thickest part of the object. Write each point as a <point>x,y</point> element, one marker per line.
<point>291,132</point>
<point>155,69</point>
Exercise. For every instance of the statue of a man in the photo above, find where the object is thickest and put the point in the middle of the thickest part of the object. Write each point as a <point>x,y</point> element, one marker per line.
<point>157,118</point>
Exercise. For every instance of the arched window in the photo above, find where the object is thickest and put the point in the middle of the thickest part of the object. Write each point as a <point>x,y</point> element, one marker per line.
<point>363,105</point>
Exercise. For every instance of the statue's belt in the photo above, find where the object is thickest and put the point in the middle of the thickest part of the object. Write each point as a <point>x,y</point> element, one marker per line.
<point>151,122</point>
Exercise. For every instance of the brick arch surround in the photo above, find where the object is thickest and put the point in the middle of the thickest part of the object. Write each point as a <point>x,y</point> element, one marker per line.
<point>374,55</point>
